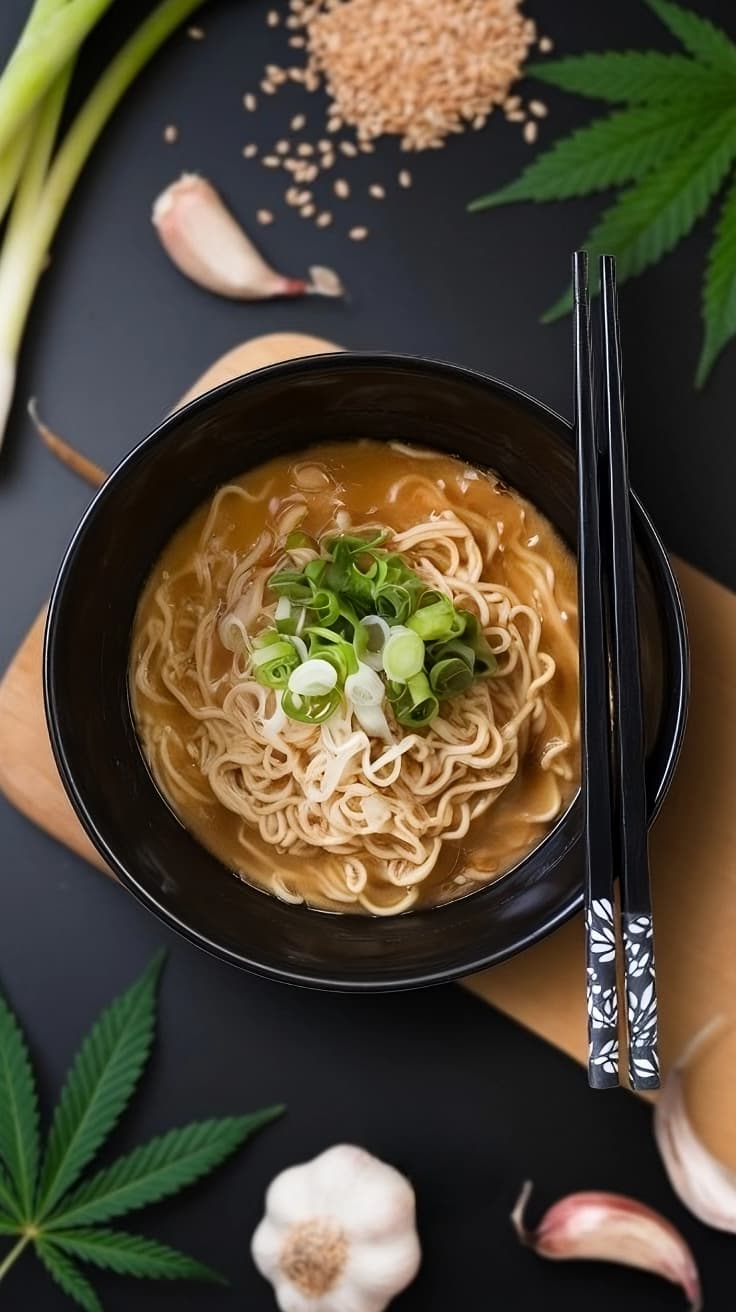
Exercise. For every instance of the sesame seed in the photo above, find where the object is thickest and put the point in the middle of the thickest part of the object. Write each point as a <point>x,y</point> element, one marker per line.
<point>538,108</point>
<point>195,33</point>
<point>291,196</point>
<point>251,150</point>
<point>267,87</point>
<point>512,102</point>
<point>282,147</point>
<point>264,217</point>
<point>546,44</point>
<point>298,122</point>
<point>310,172</point>
<point>273,18</point>
<point>171,133</point>
<point>530,132</point>
<point>367,147</point>
<point>400,68</point>
<point>479,122</point>
<point>515,116</point>
<point>291,165</point>
<point>327,160</point>
<point>271,162</point>
<point>304,148</point>
<point>297,42</point>
<point>250,102</point>
<point>377,191</point>
<point>358,234</point>
<point>307,211</point>
<point>324,219</point>
<point>324,145</point>
<point>405,178</point>
<point>341,188</point>
<point>348,149</point>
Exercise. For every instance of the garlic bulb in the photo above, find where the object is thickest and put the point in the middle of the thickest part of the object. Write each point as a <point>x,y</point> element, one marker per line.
<point>706,1186</point>
<point>611,1228</point>
<point>338,1234</point>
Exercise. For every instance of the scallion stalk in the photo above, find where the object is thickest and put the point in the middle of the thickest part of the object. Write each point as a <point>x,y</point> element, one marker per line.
<point>52,35</point>
<point>25,247</point>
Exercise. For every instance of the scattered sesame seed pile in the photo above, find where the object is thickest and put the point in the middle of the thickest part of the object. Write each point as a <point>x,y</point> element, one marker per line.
<point>419,70</point>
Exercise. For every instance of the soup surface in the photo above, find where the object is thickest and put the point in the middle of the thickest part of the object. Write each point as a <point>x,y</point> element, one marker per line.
<point>354,674</point>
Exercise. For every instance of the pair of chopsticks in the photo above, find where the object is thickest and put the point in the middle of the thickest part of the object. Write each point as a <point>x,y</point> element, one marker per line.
<point>615,837</point>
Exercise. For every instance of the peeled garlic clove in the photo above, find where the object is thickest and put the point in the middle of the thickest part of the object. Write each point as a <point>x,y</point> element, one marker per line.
<point>706,1186</point>
<point>611,1228</point>
<point>207,244</point>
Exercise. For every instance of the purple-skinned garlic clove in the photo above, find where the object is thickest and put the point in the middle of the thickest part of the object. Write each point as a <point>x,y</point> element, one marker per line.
<point>607,1227</point>
<point>208,245</point>
<point>705,1185</point>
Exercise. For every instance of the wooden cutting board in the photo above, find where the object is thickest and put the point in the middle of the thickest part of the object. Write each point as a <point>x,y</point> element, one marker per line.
<point>693,844</point>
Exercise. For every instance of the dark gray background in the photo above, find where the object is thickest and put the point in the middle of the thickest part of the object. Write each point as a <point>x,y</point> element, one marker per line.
<point>468,1104</point>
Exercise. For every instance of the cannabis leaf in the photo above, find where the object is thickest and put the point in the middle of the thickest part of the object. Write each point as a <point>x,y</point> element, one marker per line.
<point>672,147</point>
<point>43,1203</point>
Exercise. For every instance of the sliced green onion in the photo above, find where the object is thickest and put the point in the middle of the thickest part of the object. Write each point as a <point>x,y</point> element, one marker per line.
<point>403,655</point>
<point>437,620</point>
<point>330,646</point>
<point>285,623</point>
<point>369,640</point>
<point>454,647</point>
<point>314,678</point>
<point>310,710</point>
<point>394,603</point>
<point>416,705</point>
<point>297,539</point>
<point>353,543</point>
<point>450,677</point>
<point>291,583</point>
<point>365,687</point>
<point>485,660</point>
<point>273,659</point>
<point>325,604</point>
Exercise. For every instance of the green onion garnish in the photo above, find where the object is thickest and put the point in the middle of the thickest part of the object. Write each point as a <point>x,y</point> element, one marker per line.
<point>362,606</point>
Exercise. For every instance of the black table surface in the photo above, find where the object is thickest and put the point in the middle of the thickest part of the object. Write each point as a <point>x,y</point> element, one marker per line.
<point>465,1102</point>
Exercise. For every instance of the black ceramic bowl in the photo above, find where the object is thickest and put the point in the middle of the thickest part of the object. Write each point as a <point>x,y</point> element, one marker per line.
<point>276,410</point>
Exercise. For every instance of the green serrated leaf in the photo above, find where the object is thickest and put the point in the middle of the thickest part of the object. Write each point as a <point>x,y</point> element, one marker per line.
<point>636,77</point>
<point>648,220</point>
<point>158,1169</point>
<point>608,152</point>
<point>9,1205</point>
<point>699,36</point>
<point>99,1085</point>
<point>18,1116</point>
<point>719,290</point>
<point>67,1276</point>
<point>132,1255</point>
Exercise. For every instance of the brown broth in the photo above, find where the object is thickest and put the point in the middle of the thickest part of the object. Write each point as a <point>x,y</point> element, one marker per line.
<point>362,474</point>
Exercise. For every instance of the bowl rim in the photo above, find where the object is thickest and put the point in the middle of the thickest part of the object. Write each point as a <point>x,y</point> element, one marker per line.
<point>675,705</point>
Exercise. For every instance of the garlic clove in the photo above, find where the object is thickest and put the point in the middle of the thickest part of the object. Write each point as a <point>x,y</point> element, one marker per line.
<point>705,1185</point>
<point>207,244</point>
<point>611,1228</point>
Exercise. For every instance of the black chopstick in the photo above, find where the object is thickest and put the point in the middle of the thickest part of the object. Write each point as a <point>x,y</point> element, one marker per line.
<point>628,715</point>
<point>600,935</point>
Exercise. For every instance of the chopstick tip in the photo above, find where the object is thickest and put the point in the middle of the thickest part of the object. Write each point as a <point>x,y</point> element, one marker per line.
<point>579,274</point>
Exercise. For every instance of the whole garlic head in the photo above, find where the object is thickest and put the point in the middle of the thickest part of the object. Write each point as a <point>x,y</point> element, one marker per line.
<point>339,1234</point>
